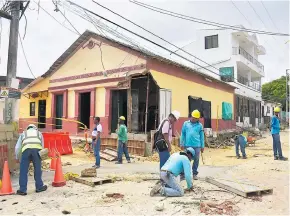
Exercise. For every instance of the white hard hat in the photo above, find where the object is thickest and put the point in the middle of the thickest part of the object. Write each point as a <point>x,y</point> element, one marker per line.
<point>32,126</point>
<point>176,114</point>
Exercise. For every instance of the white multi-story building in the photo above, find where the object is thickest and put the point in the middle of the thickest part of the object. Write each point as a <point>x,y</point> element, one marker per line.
<point>233,57</point>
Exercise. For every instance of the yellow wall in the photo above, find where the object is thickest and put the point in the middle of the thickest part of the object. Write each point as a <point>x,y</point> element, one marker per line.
<point>100,102</point>
<point>71,104</point>
<point>87,60</point>
<point>181,89</point>
<point>24,106</point>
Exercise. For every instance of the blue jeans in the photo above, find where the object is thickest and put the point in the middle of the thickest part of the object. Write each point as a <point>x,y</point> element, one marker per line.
<point>173,188</point>
<point>97,148</point>
<point>27,156</point>
<point>163,157</point>
<point>123,148</point>
<point>277,146</point>
<point>195,161</point>
<point>239,143</point>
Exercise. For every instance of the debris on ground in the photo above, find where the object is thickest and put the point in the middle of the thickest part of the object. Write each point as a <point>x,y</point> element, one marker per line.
<point>67,164</point>
<point>155,156</point>
<point>256,198</point>
<point>225,208</point>
<point>185,202</point>
<point>115,195</point>
<point>159,207</point>
<point>69,175</point>
<point>65,212</point>
<point>89,172</point>
<point>186,211</point>
<point>44,166</point>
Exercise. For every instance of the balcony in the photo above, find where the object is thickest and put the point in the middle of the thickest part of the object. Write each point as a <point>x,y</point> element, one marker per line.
<point>246,55</point>
<point>245,81</point>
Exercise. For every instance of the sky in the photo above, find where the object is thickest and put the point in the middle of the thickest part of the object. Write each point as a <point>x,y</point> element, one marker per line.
<point>45,39</point>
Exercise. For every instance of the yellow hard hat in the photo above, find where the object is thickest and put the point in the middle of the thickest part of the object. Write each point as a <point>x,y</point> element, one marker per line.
<point>277,109</point>
<point>122,118</point>
<point>195,114</point>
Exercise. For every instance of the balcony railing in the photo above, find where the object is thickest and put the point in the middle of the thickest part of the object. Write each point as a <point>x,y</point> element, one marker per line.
<point>246,82</point>
<point>241,51</point>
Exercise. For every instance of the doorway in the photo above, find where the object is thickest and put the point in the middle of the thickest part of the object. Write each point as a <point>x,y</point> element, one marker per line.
<point>58,111</point>
<point>85,109</point>
<point>119,107</point>
<point>41,113</point>
<point>140,86</point>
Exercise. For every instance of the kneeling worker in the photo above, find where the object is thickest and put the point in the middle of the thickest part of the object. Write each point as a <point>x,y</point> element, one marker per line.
<point>29,144</point>
<point>177,164</point>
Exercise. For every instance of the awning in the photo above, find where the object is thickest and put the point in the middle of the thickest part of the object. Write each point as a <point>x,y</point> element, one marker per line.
<point>38,94</point>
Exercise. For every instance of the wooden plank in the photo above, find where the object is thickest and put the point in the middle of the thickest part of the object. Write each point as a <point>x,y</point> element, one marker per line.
<point>91,181</point>
<point>237,187</point>
<point>107,157</point>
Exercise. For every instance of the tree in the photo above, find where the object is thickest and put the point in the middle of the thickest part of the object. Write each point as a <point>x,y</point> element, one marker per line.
<point>275,91</point>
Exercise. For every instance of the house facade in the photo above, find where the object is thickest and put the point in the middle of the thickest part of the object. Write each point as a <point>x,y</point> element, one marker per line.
<point>234,58</point>
<point>97,76</point>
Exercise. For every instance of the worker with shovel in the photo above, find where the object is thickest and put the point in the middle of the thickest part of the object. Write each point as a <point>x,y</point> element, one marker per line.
<point>177,164</point>
<point>29,143</point>
<point>192,135</point>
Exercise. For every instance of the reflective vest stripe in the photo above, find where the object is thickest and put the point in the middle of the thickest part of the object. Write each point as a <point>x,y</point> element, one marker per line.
<point>31,137</point>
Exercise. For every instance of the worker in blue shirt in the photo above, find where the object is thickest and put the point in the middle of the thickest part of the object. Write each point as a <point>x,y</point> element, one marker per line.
<point>275,131</point>
<point>192,135</point>
<point>178,163</point>
<point>27,148</point>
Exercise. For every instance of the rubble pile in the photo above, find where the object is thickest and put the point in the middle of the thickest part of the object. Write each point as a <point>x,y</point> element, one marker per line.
<point>224,208</point>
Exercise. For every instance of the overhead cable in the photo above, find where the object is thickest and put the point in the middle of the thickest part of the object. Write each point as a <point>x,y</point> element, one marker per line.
<point>201,21</point>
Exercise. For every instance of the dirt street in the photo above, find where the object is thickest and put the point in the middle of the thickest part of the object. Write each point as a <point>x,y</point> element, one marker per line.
<point>133,185</point>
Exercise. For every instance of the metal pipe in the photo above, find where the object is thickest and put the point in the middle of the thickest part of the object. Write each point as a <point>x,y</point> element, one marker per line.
<point>147,99</point>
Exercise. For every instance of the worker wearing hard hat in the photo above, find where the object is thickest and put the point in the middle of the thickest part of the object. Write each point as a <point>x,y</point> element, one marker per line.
<point>122,141</point>
<point>177,164</point>
<point>275,131</point>
<point>192,135</point>
<point>29,143</point>
<point>163,137</point>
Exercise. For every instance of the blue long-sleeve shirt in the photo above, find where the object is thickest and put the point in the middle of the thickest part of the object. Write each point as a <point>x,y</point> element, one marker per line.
<point>192,135</point>
<point>275,125</point>
<point>18,145</point>
<point>178,164</point>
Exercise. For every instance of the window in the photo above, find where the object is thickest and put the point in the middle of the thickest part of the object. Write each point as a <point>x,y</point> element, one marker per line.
<point>227,74</point>
<point>32,108</point>
<point>211,42</point>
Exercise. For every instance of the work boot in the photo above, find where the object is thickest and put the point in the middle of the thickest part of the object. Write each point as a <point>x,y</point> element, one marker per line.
<point>118,162</point>
<point>128,161</point>
<point>244,157</point>
<point>195,177</point>
<point>155,190</point>
<point>238,157</point>
<point>276,158</point>
<point>21,193</point>
<point>94,166</point>
<point>283,158</point>
<point>43,188</point>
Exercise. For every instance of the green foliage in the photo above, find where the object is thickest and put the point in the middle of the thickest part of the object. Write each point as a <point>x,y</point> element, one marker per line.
<point>275,91</point>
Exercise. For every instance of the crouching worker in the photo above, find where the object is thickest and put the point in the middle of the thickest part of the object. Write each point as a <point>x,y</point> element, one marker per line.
<point>27,149</point>
<point>177,164</point>
<point>241,142</point>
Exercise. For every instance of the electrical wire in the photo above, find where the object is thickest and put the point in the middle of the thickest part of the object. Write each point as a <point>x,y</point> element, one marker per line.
<point>269,15</point>
<point>55,4</point>
<point>201,21</point>
<point>54,18</point>
<point>27,63</point>
<point>25,28</point>
<point>179,48</point>
<point>241,13</point>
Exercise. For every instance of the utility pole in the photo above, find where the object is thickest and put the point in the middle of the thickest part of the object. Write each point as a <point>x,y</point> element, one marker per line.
<point>12,58</point>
